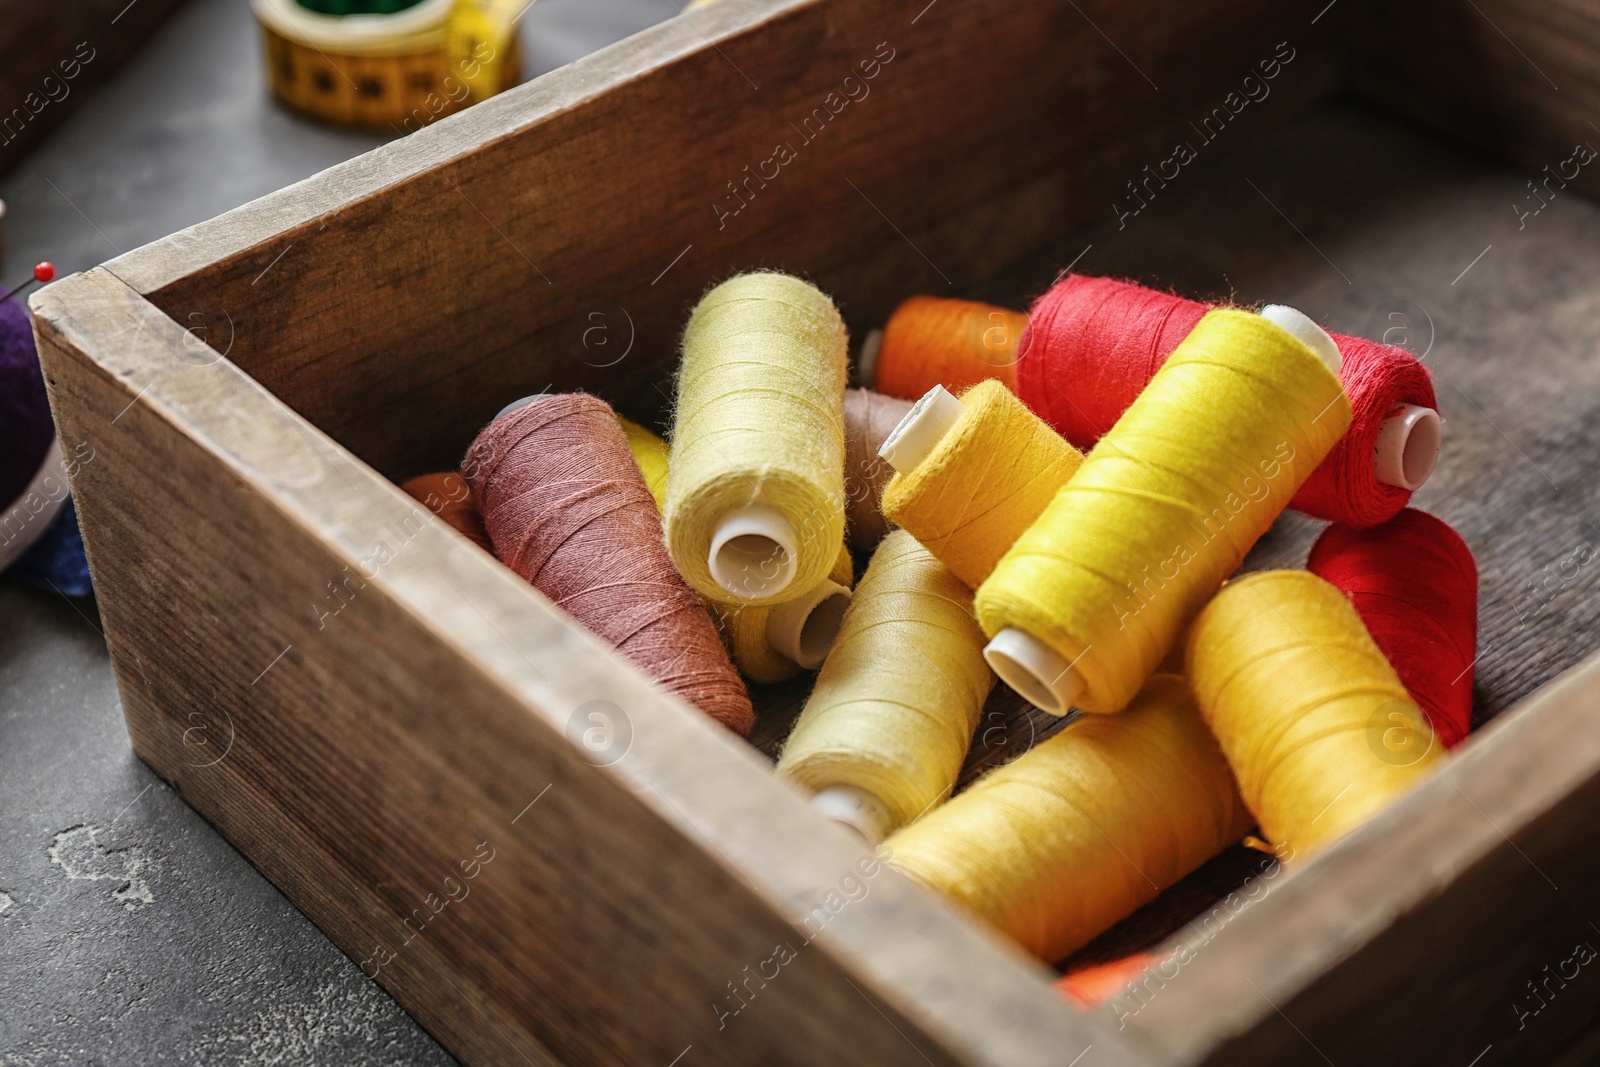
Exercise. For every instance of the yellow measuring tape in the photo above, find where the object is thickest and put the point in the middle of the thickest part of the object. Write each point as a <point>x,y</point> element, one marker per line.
<point>396,71</point>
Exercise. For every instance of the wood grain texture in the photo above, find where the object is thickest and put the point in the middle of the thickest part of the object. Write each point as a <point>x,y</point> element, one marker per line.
<point>53,55</point>
<point>594,191</point>
<point>371,751</point>
<point>1513,77</point>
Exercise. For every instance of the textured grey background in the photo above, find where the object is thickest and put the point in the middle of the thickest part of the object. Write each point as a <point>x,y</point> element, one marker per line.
<point>130,932</point>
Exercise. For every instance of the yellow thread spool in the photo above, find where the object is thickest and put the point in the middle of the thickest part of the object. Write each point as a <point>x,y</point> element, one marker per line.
<point>755,492</point>
<point>1055,847</point>
<point>1314,720</point>
<point>1088,600</point>
<point>395,72</point>
<point>886,729</point>
<point>769,644</point>
<point>990,469</point>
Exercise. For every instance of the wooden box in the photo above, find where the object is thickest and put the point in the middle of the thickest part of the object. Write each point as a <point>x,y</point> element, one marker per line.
<point>392,727</point>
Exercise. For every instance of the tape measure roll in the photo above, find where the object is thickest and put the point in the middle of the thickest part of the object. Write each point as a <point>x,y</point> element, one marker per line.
<point>397,71</point>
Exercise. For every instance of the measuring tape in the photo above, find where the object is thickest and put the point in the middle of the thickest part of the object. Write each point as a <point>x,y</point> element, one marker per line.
<point>397,71</point>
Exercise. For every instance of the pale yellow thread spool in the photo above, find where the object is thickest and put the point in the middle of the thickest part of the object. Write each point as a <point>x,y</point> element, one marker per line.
<point>886,729</point>
<point>1093,595</point>
<point>1055,847</point>
<point>755,490</point>
<point>972,474</point>
<point>769,644</point>
<point>1315,722</point>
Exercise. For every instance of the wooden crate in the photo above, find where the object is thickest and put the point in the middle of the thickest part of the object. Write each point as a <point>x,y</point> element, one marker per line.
<point>386,722</point>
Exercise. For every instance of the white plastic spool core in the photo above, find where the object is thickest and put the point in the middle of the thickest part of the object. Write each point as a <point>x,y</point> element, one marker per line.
<point>1307,332</point>
<point>1034,669</point>
<point>754,552</point>
<point>804,629</point>
<point>867,361</point>
<point>855,808</point>
<point>515,404</point>
<point>1408,446</point>
<point>916,435</point>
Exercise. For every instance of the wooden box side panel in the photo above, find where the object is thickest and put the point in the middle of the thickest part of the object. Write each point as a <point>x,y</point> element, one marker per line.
<point>1520,78</point>
<point>558,235</point>
<point>391,739</point>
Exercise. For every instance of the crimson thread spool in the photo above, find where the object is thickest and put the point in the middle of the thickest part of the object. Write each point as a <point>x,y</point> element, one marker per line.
<point>448,496</point>
<point>1414,583</point>
<point>1093,344</point>
<point>869,418</point>
<point>932,340</point>
<point>567,509</point>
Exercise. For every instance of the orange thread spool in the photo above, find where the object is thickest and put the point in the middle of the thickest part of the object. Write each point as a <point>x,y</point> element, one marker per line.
<point>448,496</point>
<point>932,340</point>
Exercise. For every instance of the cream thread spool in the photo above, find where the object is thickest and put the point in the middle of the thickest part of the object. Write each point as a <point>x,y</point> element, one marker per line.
<point>1055,683</point>
<point>885,731</point>
<point>755,490</point>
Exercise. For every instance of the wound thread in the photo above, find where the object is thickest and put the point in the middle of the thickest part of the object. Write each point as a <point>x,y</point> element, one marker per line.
<point>1168,503</point>
<point>567,509</point>
<point>1414,583</point>
<point>759,424</point>
<point>448,496</point>
<point>1092,344</point>
<point>986,481</point>
<point>1055,847</point>
<point>931,341</point>
<point>895,705</point>
<point>1315,723</point>
<point>868,418</point>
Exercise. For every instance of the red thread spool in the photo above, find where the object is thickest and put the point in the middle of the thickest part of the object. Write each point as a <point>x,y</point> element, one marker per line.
<point>567,509</point>
<point>1092,344</point>
<point>449,496</point>
<point>1414,583</point>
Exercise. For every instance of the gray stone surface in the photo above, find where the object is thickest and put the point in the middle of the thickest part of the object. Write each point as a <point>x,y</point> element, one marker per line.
<point>130,932</point>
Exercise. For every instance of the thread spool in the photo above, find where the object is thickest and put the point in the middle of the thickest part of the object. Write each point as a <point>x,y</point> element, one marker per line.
<point>886,729</point>
<point>1057,846</point>
<point>931,341</point>
<point>972,474</point>
<point>448,496</point>
<point>1092,344</point>
<point>1319,730</point>
<point>567,509</point>
<point>1414,583</point>
<point>1089,599</point>
<point>755,491</point>
<point>388,69</point>
<point>869,417</point>
<point>769,644</point>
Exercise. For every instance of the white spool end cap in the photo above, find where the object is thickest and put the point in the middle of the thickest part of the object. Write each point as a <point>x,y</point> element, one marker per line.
<point>917,434</point>
<point>855,808</point>
<point>1307,332</point>
<point>1408,446</point>
<point>802,630</point>
<point>754,552</point>
<point>1034,669</point>
<point>867,361</point>
<point>515,404</point>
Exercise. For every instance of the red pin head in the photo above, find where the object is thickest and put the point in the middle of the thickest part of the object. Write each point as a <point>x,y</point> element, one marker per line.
<point>42,272</point>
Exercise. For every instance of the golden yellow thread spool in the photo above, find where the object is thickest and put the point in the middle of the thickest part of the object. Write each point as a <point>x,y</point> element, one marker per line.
<point>395,72</point>
<point>886,729</point>
<point>1316,724</point>
<point>1088,600</point>
<point>769,644</point>
<point>1058,845</point>
<point>988,469</point>
<point>755,490</point>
